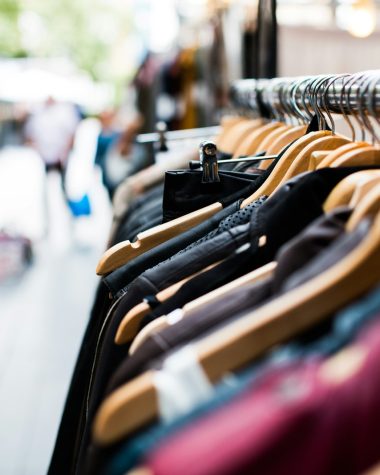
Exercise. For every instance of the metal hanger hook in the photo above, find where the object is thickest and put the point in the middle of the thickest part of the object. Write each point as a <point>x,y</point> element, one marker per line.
<point>324,99</point>
<point>361,97</point>
<point>372,104</point>
<point>314,100</point>
<point>306,93</point>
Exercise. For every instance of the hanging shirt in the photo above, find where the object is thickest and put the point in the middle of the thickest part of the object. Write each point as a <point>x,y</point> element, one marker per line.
<point>343,329</point>
<point>314,417</point>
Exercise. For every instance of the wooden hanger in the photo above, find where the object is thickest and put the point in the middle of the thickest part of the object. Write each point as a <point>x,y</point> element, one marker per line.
<point>230,120</point>
<point>364,188</point>
<point>163,322</point>
<point>334,154</point>
<point>317,157</point>
<point>241,342</point>
<point>237,133</point>
<point>125,251</point>
<point>128,328</point>
<point>368,206</point>
<point>130,324</point>
<point>369,155</point>
<point>275,178</point>
<point>249,146</point>
<point>152,328</point>
<point>271,137</point>
<point>303,162</point>
<point>282,141</point>
<point>350,190</point>
<point>228,125</point>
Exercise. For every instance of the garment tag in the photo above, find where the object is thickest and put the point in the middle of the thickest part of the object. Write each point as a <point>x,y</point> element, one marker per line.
<point>181,384</point>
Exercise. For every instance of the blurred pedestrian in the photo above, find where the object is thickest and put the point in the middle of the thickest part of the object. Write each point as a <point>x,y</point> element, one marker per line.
<point>50,130</point>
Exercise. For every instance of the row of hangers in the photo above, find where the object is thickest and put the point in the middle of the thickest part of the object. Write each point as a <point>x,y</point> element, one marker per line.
<point>291,113</point>
<point>131,323</point>
<point>292,105</point>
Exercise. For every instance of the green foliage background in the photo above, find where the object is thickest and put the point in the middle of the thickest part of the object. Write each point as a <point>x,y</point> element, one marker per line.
<point>83,30</point>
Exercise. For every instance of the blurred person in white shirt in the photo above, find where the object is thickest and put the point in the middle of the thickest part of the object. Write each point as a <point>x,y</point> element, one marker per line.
<point>50,130</point>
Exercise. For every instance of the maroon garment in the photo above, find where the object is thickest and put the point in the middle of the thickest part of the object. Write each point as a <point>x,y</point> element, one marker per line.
<point>295,420</point>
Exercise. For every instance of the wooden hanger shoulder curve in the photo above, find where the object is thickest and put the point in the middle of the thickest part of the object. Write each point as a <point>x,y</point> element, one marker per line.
<point>227,127</point>
<point>282,166</point>
<point>369,206</point>
<point>242,341</point>
<point>230,120</point>
<point>369,155</point>
<point>125,251</point>
<point>251,142</point>
<point>287,137</point>
<point>317,157</point>
<point>130,325</point>
<point>153,327</point>
<point>254,276</point>
<point>364,188</point>
<point>303,160</point>
<point>334,154</point>
<point>237,133</point>
<point>349,190</point>
<point>271,137</point>
<point>162,322</point>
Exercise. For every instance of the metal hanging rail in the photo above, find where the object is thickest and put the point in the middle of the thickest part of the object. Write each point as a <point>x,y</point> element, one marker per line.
<point>201,132</point>
<point>298,97</point>
<point>333,93</point>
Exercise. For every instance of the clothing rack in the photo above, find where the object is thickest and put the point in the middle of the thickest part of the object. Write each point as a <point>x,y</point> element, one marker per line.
<point>345,93</point>
<point>200,132</point>
<point>340,94</point>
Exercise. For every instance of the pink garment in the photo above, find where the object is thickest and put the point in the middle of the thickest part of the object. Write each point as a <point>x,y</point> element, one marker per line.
<point>294,421</point>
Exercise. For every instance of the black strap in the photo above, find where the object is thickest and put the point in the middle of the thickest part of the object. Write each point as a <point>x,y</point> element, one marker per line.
<point>152,301</point>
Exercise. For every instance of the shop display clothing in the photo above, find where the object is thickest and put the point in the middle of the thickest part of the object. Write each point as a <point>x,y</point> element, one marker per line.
<point>310,408</point>
<point>343,328</point>
<point>320,256</point>
<point>304,198</point>
<point>248,342</point>
<point>300,251</point>
<point>293,207</point>
<point>274,220</point>
<point>309,244</point>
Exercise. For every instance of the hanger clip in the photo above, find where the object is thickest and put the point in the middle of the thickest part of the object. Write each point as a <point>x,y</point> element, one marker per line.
<point>209,162</point>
